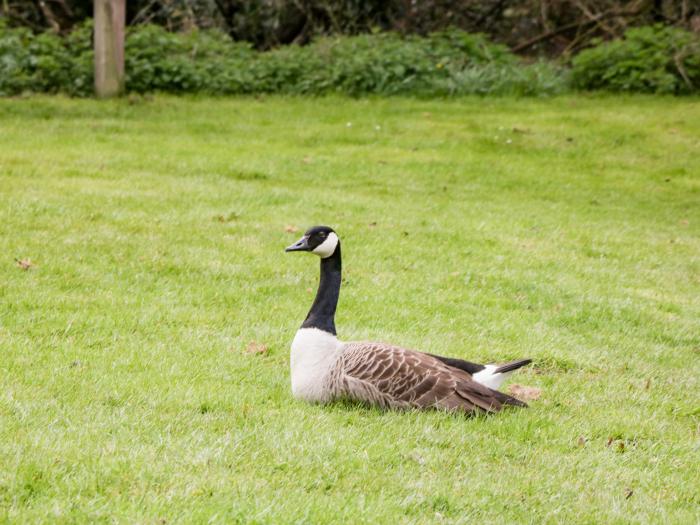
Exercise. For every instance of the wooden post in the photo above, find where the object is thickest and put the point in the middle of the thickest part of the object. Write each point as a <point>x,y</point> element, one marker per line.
<point>109,47</point>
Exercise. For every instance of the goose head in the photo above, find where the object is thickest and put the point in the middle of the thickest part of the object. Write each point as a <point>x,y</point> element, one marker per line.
<point>321,240</point>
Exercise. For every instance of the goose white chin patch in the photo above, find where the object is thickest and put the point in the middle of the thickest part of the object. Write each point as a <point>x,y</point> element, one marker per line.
<point>327,247</point>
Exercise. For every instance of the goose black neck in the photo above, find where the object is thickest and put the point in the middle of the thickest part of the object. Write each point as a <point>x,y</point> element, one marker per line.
<point>322,313</point>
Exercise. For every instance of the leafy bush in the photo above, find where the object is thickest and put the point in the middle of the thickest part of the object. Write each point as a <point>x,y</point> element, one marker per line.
<point>199,61</point>
<point>652,59</point>
<point>45,62</point>
<point>383,63</point>
<point>14,60</point>
<point>448,63</point>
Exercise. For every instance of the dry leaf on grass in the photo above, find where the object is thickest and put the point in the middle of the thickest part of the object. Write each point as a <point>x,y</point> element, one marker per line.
<point>256,348</point>
<point>525,393</point>
<point>24,264</point>
<point>291,229</point>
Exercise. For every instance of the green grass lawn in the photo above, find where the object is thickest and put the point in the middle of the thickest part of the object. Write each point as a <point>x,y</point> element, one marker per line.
<point>565,230</point>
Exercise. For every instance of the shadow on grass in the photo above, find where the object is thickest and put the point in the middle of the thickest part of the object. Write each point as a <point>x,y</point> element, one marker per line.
<point>363,409</point>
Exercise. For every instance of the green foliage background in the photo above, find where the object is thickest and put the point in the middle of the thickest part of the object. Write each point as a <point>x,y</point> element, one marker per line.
<point>448,63</point>
<point>654,59</point>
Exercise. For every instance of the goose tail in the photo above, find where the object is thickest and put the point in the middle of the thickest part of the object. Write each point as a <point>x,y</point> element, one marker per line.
<point>493,376</point>
<point>513,365</point>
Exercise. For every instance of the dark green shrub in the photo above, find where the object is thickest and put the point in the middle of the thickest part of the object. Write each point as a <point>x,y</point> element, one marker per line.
<point>653,59</point>
<point>199,61</point>
<point>45,63</point>
<point>383,63</point>
<point>78,46</point>
<point>15,60</point>
<point>445,64</point>
<point>33,63</point>
<point>290,69</point>
<point>389,64</point>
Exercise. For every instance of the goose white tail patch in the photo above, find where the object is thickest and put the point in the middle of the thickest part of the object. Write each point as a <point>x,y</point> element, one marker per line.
<point>487,377</point>
<point>327,247</point>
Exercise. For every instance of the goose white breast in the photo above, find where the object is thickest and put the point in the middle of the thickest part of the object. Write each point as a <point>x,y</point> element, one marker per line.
<point>313,359</point>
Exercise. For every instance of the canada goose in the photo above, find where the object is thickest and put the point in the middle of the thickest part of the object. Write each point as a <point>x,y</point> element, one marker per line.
<point>324,369</point>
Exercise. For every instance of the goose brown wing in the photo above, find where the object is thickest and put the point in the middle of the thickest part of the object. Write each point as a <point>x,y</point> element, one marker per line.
<point>391,376</point>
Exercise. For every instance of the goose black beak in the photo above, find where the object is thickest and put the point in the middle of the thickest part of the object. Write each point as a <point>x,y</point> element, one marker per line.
<point>302,245</point>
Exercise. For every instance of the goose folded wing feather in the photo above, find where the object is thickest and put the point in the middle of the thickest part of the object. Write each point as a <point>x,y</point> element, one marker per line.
<point>391,376</point>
